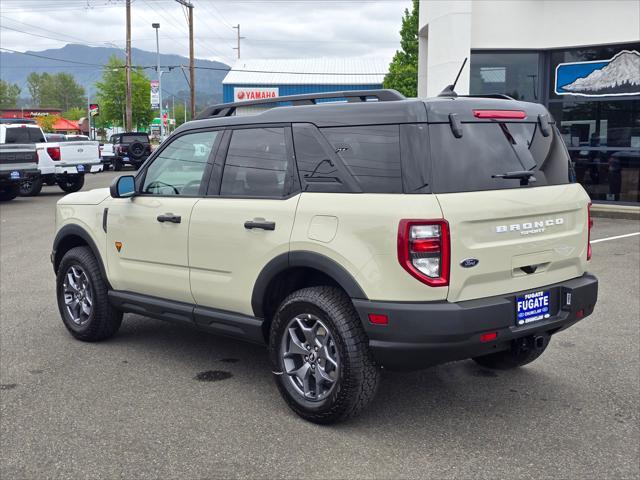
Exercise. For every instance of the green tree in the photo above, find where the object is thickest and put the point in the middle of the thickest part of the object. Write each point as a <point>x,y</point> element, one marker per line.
<point>403,70</point>
<point>9,93</point>
<point>59,90</point>
<point>75,113</point>
<point>111,96</point>
<point>180,111</point>
<point>46,122</point>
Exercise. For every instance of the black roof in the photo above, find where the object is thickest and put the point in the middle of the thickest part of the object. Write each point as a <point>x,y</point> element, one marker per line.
<point>388,111</point>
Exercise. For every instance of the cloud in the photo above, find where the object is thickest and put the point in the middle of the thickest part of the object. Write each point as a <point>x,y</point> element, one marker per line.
<point>273,28</point>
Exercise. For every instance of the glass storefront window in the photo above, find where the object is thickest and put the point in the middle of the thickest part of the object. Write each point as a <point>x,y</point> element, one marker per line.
<point>603,138</point>
<point>514,74</point>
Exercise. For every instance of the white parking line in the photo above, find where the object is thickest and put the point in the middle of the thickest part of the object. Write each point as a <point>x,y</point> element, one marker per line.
<point>615,238</point>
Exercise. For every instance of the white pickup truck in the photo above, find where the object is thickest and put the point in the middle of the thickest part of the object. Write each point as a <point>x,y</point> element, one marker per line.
<point>61,163</point>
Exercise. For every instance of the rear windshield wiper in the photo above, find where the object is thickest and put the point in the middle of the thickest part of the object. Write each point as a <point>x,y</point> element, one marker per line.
<point>525,176</point>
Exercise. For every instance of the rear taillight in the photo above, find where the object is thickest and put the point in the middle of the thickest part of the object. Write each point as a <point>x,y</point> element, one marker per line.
<point>99,152</point>
<point>590,224</point>
<point>423,250</point>
<point>500,114</point>
<point>54,153</point>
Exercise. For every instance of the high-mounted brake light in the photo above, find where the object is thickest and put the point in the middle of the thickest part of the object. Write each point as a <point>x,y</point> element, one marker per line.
<point>590,224</point>
<point>423,250</point>
<point>54,153</point>
<point>500,114</point>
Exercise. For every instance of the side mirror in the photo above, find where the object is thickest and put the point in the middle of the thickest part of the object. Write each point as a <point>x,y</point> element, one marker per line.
<point>123,187</point>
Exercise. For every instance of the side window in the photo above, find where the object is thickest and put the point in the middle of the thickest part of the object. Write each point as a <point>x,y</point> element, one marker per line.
<point>257,164</point>
<point>371,154</point>
<point>179,168</point>
<point>316,166</point>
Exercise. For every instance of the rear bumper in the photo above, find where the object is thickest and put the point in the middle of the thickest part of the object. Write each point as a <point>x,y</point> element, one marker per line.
<point>72,169</point>
<point>7,177</point>
<point>419,335</point>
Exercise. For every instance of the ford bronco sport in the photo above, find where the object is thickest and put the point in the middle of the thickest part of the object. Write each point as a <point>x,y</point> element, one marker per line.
<point>346,236</point>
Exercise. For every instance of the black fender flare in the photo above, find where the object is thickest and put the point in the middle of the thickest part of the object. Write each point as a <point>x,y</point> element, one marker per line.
<point>76,231</point>
<point>308,259</point>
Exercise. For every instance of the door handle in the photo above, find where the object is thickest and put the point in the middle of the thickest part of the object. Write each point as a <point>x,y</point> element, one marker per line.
<point>169,217</point>
<point>264,225</point>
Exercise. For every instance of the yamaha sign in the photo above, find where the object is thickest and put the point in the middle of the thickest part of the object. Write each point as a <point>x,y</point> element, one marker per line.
<point>241,94</point>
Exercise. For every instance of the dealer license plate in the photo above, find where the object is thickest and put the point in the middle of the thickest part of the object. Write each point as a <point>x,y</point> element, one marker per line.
<point>15,175</point>
<point>532,307</point>
<point>80,168</point>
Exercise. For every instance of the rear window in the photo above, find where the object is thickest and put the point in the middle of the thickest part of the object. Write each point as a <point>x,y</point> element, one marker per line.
<point>142,138</point>
<point>24,135</point>
<point>485,149</point>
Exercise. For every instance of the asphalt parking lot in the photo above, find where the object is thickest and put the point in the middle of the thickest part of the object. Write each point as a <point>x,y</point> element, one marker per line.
<point>132,407</point>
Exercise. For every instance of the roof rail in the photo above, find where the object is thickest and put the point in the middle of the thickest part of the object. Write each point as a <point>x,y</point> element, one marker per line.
<point>16,120</point>
<point>228,109</point>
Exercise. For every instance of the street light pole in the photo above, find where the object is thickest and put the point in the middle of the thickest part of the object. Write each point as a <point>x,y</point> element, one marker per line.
<point>157,27</point>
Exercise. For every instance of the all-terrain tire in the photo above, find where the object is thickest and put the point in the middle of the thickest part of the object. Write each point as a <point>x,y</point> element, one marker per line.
<point>117,165</point>
<point>517,356</point>
<point>70,183</point>
<point>31,187</point>
<point>104,320</point>
<point>357,376</point>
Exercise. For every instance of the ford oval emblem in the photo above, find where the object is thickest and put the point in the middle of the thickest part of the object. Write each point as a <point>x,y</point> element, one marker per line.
<point>469,262</point>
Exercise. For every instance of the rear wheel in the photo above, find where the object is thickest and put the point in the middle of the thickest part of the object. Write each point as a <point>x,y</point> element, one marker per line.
<point>82,297</point>
<point>320,350</point>
<point>31,187</point>
<point>117,165</point>
<point>70,183</point>
<point>522,352</point>
<point>9,192</point>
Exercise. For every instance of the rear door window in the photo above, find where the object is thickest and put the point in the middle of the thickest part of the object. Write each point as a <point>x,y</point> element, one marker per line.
<point>257,164</point>
<point>24,135</point>
<point>493,148</point>
<point>371,154</point>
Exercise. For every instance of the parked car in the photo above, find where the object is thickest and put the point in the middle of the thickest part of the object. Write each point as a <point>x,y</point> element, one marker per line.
<point>62,163</point>
<point>131,148</point>
<point>346,236</point>
<point>18,163</point>
<point>61,137</point>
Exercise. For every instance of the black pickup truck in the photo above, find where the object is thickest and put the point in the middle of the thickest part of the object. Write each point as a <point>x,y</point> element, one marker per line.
<point>18,163</point>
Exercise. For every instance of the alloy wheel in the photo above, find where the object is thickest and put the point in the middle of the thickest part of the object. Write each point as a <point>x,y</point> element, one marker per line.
<point>78,298</point>
<point>310,357</point>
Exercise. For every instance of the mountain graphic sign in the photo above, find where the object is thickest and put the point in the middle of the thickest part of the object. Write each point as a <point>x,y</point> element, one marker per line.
<point>619,75</point>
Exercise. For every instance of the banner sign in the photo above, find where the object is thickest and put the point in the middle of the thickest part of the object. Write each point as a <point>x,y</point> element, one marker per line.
<point>155,93</point>
<point>241,94</point>
<point>619,75</point>
<point>94,109</point>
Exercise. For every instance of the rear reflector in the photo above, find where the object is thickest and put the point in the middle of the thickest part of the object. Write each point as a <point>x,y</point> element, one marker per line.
<point>378,319</point>
<point>580,314</point>
<point>500,114</point>
<point>487,337</point>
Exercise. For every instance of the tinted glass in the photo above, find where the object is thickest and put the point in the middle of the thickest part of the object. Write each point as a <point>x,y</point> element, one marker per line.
<point>486,149</point>
<point>142,137</point>
<point>256,164</point>
<point>513,74</point>
<point>317,169</point>
<point>24,135</point>
<point>179,168</point>
<point>371,154</point>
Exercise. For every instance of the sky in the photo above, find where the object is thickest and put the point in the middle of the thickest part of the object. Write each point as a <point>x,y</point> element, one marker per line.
<point>273,28</point>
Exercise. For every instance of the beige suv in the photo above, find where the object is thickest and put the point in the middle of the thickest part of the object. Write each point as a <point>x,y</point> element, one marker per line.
<point>345,236</point>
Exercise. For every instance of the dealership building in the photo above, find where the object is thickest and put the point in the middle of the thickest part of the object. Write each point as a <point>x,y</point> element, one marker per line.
<point>272,78</point>
<point>580,59</point>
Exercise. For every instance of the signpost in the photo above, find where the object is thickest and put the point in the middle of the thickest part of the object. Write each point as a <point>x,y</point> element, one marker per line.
<point>155,93</point>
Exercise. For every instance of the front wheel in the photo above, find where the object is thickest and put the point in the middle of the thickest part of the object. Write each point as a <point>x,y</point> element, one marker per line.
<point>82,297</point>
<point>70,183</point>
<point>319,350</point>
<point>9,192</point>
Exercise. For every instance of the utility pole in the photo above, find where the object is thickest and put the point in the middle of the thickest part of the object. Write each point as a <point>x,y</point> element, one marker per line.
<point>192,72</point>
<point>237,27</point>
<point>128,113</point>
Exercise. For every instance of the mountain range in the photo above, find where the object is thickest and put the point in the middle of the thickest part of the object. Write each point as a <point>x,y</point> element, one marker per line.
<point>621,75</point>
<point>15,67</point>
